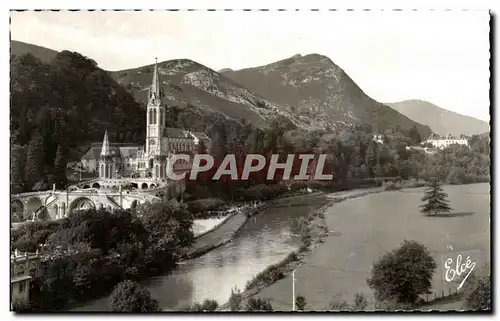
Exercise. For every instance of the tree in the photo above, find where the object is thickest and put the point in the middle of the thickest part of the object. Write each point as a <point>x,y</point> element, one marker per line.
<point>300,302</point>
<point>16,170</point>
<point>169,226</point>
<point>258,304</point>
<point>59,171</point>
<point>414,135</point>
<point>34,160</point>
<point>235,299</point>
<point>338,306</point>
<point>435,198</point>
<point>129,296</point>
<point>480,297</point>
<point>403,274</point>
<point>207,306</point>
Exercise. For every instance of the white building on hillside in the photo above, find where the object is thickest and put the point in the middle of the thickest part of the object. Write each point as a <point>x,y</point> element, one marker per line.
<point>444,142</point>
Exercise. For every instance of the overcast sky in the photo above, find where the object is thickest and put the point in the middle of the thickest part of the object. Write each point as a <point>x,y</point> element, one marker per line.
<point>441,57</point>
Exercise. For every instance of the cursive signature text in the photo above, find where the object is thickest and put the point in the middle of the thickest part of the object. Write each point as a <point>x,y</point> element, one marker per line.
<point>459,269</point>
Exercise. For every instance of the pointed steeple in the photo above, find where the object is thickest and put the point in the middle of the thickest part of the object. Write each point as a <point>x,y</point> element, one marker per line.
<point>155,86</point>
<point>105,150</point>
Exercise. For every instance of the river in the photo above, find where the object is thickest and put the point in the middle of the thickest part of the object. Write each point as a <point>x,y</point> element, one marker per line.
<point>264,240</point>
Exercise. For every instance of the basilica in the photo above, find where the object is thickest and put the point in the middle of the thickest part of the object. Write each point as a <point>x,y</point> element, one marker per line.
<point>149,161</point>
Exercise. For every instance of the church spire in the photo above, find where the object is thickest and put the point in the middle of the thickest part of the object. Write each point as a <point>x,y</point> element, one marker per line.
<point>105,151</point>
<point>155,86</point>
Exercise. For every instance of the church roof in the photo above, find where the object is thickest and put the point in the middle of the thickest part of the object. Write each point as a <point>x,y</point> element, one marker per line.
<point>173,132</point>
<point>114,150</point>
<point>105,150</point>
<point>202,136</point>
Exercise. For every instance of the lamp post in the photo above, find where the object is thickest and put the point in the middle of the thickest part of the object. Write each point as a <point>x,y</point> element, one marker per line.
<point>293,287</point>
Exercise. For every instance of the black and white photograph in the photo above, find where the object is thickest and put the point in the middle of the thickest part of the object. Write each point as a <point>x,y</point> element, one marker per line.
<point>225,161</point>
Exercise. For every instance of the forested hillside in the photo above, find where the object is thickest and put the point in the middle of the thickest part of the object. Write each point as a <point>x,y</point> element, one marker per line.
<point>63,104</point>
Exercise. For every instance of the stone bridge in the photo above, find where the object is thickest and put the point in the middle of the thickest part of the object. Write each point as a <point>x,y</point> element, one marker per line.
<point>114,184</point>
<point>54,205</point>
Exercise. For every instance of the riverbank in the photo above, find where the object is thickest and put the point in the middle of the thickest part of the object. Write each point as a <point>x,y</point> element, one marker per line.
<point>225,231</point>
<point>317,231</point>
<point>220,235</point>
<point>361,229</point>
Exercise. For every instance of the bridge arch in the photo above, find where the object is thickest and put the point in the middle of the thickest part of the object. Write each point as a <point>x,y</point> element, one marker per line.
<point>80,204</point>
<point>86,186</point>
<point>32,205</point>
<point>96,185</point>
<point>134,185</point>
<point>144,186</point>
<point>152,185</point>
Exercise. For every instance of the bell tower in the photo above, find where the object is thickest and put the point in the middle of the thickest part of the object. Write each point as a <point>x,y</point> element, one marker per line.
<point>106,163</point>
<point>155,117</point>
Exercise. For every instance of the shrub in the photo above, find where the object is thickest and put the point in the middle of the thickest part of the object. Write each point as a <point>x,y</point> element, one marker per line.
<point>403,274</point>
<point>391,186</point>
<point>206,306</point>
<point>479,298</point>
<point>235,299</point>
<point>300,303</point>
<point>205,204</point>
<point>258,304</point>
<point>129,296</point>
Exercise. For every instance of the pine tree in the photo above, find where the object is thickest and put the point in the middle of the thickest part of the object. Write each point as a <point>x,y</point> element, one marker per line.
<point>60,167</point>
<point>435,198</point>
<point>16,169</point>
<point>34,160</point>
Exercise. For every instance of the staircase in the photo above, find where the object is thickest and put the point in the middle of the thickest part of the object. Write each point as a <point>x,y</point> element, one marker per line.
<point>112,201</point>
<point>42,207</point>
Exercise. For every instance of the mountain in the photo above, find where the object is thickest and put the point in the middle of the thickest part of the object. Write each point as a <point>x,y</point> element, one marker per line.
<point>441,121</point>
<point>44,54</point>
<point>314,87</point>
<point>190,85</point>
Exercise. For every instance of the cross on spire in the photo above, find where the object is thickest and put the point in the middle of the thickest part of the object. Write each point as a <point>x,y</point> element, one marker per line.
<point>155,86</point>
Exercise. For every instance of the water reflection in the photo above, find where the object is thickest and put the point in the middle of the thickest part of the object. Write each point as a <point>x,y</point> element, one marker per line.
<point>260,243</point>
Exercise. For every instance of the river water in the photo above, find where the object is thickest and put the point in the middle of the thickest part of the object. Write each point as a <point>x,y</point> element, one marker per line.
<point>264,240</point>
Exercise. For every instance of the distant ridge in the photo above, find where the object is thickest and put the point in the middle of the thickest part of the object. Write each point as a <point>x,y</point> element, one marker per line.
<point>440,120</point>
<point>44,54</point>
<point>315,87</point>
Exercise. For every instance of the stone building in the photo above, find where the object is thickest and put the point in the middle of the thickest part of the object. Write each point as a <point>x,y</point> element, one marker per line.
<point>149,161</point>
<point>23,267</point>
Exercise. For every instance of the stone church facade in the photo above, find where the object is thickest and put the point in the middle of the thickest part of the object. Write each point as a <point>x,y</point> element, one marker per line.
<point>150,160</point>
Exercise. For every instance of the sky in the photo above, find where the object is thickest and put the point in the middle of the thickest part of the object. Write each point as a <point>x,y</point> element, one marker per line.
<point>438,56</point>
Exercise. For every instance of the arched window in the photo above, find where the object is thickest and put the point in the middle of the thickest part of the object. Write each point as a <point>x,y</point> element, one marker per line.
<point>102,171</point>
<point>150,114</point>
<point>155,119</point>
<point>157,171</point>
<point>162,114</point>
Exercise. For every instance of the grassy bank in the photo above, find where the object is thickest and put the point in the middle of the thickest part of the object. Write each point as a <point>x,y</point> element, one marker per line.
<point>313,230</point>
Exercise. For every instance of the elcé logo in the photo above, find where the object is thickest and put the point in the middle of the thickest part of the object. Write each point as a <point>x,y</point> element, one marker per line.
<point>458,269</point>
<point>306,166</point>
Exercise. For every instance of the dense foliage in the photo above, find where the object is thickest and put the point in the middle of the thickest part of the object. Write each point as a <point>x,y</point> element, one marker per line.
<point>353,157</point>
<point>92,251</point>
<point>403,274</point>
<point>258,305</point>
<point>479,297</point>
<point>57,106</point>
<point>206,306</point>
<point>129,296</point>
